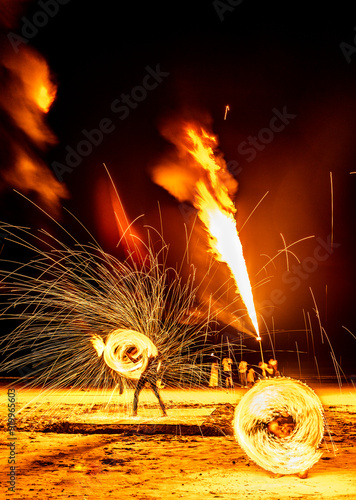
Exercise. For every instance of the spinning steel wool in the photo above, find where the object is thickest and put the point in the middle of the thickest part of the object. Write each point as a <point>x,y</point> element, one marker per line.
<point>70,305</point>
<point>115,352</point>
<point>279,423</point>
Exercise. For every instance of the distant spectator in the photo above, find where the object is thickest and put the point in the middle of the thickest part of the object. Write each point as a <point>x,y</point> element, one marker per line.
<point>227,372</point>
<point>273,363</point>
<point>251,377</point>
<point>267,371</point>
<point>242,373</point>
<point>214,373</point>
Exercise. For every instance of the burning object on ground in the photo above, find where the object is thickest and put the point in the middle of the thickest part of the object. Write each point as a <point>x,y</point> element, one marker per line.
<point>279,423</point>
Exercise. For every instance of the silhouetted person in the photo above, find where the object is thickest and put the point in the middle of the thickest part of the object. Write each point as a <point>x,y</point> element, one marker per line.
<point>227,372</point>
<point>242,373</point>
<point>214,373</point>
<point>150,375</point>
<point>267,371</point>
<point>250,378</point>
<point>273,363</point>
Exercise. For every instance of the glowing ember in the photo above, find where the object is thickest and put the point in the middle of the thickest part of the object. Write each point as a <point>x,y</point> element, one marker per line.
<point>279,423</point>
<point>32,95</point>
<point>209,187</point>
<point>118,343</point>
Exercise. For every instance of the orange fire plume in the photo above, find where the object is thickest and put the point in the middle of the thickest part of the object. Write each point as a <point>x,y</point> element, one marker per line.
<point>209,186</point>
<point>27,92</point>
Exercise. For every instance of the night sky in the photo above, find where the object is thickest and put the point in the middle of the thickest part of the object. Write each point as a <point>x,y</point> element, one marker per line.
<point>288,74</point>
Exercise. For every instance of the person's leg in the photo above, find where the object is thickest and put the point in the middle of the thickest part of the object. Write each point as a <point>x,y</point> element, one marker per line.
<point>156,392</point>
<point>121,386</point>
<point>139,386</point>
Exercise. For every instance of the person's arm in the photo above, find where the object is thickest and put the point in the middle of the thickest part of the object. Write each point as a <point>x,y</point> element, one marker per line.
<point>131,358</point>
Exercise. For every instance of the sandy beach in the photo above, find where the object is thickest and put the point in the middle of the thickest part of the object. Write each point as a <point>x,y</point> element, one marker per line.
<point>81,446</point>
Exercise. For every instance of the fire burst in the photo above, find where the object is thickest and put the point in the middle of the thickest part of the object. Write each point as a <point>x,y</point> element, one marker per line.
<point>26,97</point>
<point>209,186</point>
<point>287,451</point>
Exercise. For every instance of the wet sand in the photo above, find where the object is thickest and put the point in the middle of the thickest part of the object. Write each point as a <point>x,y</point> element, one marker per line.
<point>190,454</point>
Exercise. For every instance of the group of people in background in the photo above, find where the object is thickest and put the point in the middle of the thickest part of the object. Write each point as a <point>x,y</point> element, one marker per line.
<point>226,372</point>
<point>247,374</point>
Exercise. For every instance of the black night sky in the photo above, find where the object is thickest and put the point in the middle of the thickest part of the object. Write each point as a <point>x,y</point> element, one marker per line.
<point>288,74</point>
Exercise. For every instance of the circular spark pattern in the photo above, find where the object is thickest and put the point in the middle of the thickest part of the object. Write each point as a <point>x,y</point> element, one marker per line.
<point>115,352</point>
<point>268,400</point>
<point>72,311</point>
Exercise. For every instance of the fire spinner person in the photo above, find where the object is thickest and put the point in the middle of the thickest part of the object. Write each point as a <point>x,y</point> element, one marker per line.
<point>150,375</point>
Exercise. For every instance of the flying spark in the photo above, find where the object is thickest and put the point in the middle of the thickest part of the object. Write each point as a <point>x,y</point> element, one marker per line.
<point>77,310</point>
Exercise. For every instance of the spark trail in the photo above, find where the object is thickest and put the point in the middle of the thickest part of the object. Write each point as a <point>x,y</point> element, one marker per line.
<point>64,297</point>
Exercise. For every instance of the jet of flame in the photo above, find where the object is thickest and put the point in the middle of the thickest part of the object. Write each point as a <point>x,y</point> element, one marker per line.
<point>201,177</point>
